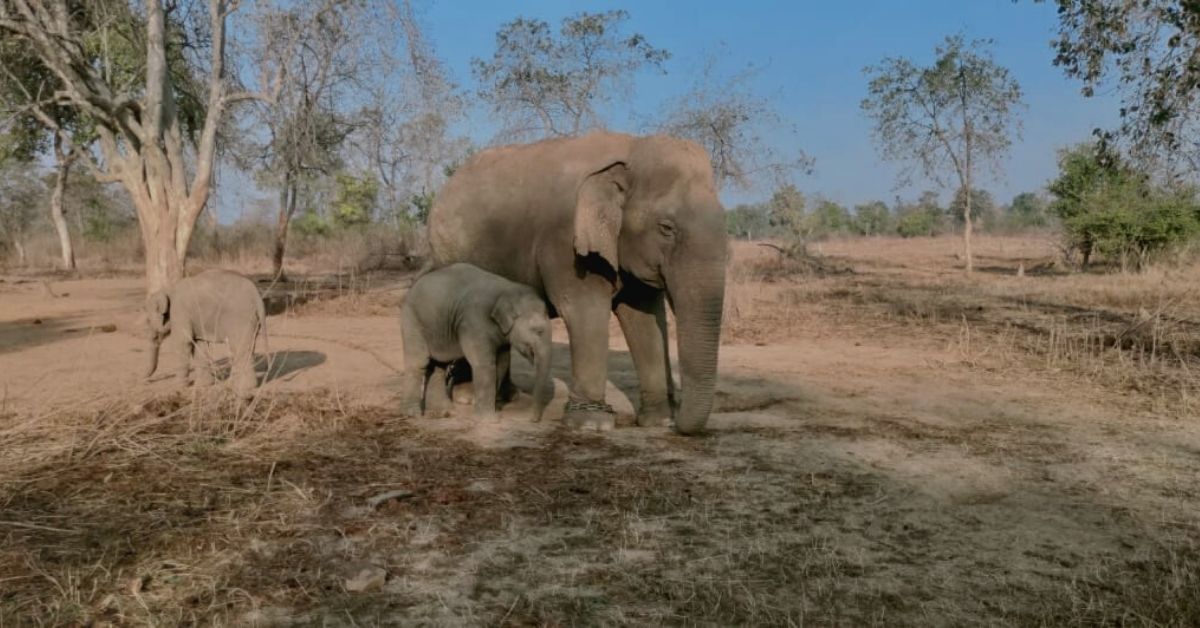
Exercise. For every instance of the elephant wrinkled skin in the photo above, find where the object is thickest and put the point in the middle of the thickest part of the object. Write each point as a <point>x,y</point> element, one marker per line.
<point>461,311</point>
<point>213,306</point>
<point>599,224</point>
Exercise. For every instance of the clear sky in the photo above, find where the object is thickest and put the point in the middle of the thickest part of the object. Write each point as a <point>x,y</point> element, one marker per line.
<point>812,55</point>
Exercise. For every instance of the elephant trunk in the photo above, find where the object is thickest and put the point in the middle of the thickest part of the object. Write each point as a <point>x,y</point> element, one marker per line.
<point>698,307</point>
<point>152,364</point>
<point>543,388</point>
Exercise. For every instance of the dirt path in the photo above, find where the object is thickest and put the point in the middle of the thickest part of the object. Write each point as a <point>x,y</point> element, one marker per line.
<point>858,477</point>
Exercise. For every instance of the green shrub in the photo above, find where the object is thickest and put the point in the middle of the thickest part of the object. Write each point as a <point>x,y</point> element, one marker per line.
<point>918,222</point>
<point>1108,208</point>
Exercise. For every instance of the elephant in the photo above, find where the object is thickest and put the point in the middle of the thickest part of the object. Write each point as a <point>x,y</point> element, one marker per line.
<point>212,306</point>
<point>598,224</point>
<point>460,311</point>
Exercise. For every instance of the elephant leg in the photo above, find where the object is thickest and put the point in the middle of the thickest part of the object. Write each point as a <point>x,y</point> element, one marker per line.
<point>416,370</point>
<point>202,368</point>
<point>644,323</point>
<point>241,364</point>
<point>186,348</point>
<point>437,398</point>
<point>506,390</point>
<point>483,369</point>
<point>586,315</point>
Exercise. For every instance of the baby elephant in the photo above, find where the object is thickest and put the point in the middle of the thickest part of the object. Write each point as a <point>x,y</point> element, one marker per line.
<point>213,306</point>
<point>462,311</point>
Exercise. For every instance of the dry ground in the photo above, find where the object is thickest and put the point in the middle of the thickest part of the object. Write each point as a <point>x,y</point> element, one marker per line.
<point>893,444</point>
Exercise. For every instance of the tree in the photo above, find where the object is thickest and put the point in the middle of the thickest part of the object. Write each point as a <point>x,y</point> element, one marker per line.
<point>1028,210</point>
<point>872,219</point>
<point>1148,49</point>
<point>830,218</point>
<point>726,117</point>
<point>24,80</point>
<point>749,220</point>
<point>945,118</point>
<point>405,134</point>
<point>20,191</point>
<point>313,113</point>
<point>160,149</point>
<point>544,85</point>
<point>979,206</point>
<point>1108,206</point>
<point>786,211</point>
<point>922,218</point>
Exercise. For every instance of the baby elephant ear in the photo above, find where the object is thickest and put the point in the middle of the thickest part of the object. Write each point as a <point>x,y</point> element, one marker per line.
<point>599,211</point>
<point>504,314</point>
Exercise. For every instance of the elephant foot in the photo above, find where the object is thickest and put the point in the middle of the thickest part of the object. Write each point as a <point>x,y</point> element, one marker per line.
<point>589,416</point>
<point>463,394</point>
<point>655,414</point>
<point>506,393</point>
<point>410,408</point>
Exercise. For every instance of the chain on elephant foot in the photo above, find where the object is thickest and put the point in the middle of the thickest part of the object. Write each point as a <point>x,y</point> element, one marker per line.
<point>589,415</point>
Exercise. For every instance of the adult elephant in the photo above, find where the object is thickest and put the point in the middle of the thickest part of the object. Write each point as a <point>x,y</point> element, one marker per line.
<point>598,224</point>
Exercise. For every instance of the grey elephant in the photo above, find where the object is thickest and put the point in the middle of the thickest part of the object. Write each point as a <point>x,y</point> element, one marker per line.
<point>212,306</point>
<point>461,311</point>
<point>599,224</point>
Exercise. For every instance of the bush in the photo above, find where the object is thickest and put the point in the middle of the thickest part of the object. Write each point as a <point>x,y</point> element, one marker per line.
<point>1110,209</point>
<point>918,222</point>
<point>1132,228</point>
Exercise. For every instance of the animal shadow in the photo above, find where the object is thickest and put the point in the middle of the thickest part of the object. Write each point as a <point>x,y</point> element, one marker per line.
<point>274,365</point>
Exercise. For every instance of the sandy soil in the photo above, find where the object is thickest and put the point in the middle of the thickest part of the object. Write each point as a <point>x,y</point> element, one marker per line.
<point>856,473</point>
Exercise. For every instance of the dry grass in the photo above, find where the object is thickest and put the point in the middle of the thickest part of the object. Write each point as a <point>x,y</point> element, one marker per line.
<point>1137,332</point>
<point>193,511</point>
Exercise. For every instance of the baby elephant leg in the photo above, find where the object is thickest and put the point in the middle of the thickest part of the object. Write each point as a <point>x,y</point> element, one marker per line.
<point>241,365</point>
<point>416,365</point>
<point>202,364</point>
<point>507,391</point>
<point>187,351</point>
<point>483,369</point>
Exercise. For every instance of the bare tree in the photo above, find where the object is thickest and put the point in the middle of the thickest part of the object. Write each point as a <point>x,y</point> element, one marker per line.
<point>19,194</point>
<point>736,126</point>
<point>545,85</point>
<point>23,80</point>
<point>148,138</point>
<point>404,135</point>
<point>312,115</point>
<point>947,117</point>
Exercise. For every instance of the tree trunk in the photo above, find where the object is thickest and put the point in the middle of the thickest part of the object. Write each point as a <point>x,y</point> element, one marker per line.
<point>967,232</point>
<point>62,168</point>
<point>20,252</point>
<point>287,207</point>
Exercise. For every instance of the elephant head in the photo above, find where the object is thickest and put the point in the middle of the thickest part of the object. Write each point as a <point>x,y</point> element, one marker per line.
<point>523,320</point>
<point>158,319</point>
<point>653,214</point>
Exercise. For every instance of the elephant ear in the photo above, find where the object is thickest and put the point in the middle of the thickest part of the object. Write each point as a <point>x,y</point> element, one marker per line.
<point>158,305</point>
<point>504,314</point>
<point>598,212</point>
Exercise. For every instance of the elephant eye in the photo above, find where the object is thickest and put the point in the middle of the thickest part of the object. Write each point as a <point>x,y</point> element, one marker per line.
<point>667,228</point>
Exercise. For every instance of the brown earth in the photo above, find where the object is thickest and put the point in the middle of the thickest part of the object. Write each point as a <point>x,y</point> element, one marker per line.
<point>893,444</point>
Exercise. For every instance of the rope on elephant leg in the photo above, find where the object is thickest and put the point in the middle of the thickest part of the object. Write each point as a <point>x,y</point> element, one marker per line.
<point>574,405</point>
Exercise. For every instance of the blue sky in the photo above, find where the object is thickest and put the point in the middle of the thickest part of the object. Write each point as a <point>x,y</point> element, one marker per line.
<point>812,55</point>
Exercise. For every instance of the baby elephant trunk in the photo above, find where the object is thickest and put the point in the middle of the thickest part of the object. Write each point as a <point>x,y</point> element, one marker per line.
<point>543,388</point>
<point>152,364</point>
